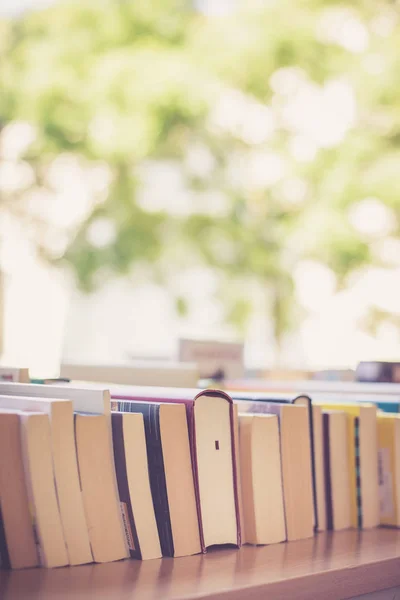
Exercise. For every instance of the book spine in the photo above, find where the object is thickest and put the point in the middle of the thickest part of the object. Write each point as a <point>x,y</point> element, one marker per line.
<point>31,500</point>
<point>123,486</point>
<point>5,562</point>
<point>306,401</point>
<point>151,417</point>
<point>327,469</point>
<point>358,471</point>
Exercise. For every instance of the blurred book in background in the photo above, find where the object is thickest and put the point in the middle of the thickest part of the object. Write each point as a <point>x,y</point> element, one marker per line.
<point>216,360</point>
<point>378,371</point>
<point>155,373</point>
<point>14,374</point>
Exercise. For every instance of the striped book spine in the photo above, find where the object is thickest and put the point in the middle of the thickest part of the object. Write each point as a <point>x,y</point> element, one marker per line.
<point>358,470</point>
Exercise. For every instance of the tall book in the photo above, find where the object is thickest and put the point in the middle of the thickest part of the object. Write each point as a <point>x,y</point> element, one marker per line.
<point>132,470</point>
<point>337,473</point>
<point>42,493</point>
<point>315,437</point>
<point>17,540</point>
<point>296,463</point>
<point>363,461</point>
<point>319,468</point>
<point>170,473</point>
<point>92,400</point>
<point>389,468</point>
<point>211,423</point>
<point>65,469</point>
<point>261,480</point>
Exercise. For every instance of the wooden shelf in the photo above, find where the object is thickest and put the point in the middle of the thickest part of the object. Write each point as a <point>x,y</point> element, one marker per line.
<point>328,566</point>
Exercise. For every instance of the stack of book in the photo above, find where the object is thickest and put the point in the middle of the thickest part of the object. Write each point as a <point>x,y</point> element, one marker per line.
<point>100,474</point>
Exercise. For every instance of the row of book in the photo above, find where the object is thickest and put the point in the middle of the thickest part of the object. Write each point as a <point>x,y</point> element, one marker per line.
<point>94,473</point>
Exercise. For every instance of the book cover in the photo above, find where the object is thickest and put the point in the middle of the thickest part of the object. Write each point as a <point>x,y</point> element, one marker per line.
<point>4,556</point>
<point>362,461</point>
<point>151,417</point>
<point>389,468</point>
<point>327,468</point>
<point>123,486</point>
<point>203,443</point>
<point>302,399</point>
<point>296,463</point>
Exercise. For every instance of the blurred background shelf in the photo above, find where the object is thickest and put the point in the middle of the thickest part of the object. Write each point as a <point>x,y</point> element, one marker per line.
<point>328,566</point>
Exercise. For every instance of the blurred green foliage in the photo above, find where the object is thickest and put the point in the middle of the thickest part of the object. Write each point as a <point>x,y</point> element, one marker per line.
<point>293,105</point>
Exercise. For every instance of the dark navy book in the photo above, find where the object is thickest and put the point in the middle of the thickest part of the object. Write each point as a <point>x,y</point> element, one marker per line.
<point>151,418</point>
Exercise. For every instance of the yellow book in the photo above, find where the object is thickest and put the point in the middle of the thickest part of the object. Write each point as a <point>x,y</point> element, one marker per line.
<point>389,468</point>
<point>363,461</point>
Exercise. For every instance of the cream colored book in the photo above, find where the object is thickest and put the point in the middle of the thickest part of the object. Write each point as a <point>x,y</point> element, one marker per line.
<point>389,468</point>
<point>18,547</point>
<point>42,493</point>
<point>65,469</point>
<point>93,400</point>
<point>261,480</point>
<point>100,495</point>
<point>295,444</point>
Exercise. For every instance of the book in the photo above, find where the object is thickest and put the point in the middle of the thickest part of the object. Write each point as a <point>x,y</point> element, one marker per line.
<point>100,495</point>
<point>389,468</point>
<point>385,402</point>
<point>337,474</point>
<point>42,493</point>
<point>261,480</point>
<point>296,463</point>
<point>362,461</point>
<point>210,417</point>
<point>14,374</point>
<point>319,467</point>
<point>160,373</point>
<point>69,494</point>
<point>310,386</point>
<point>235,410</point>
<point>95,399</point>
<point>315,437</point>
<point>87,399</point>
<point>378,371</point>
<point>131,466</point>
<point>171,476</point>
<point>216,360</point>
<point>17,541</point>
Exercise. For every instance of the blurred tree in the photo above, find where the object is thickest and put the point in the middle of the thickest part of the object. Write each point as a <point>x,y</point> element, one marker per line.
<point>280,120</point>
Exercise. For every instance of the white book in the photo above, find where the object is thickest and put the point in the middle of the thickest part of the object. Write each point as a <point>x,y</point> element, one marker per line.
<point>175,374</point>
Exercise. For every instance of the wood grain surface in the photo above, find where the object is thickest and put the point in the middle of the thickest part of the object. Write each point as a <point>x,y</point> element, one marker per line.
<point>329,566</point>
